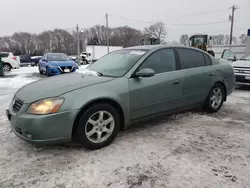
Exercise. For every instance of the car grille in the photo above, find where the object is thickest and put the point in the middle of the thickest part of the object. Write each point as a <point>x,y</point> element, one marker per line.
<point>66,67</point>
<point>17,105</point>
<point>242,70</point>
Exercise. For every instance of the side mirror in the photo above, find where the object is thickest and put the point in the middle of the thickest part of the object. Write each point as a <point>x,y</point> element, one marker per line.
<point>44,60</point>
<point>146,72</point>
<point>231,58</point>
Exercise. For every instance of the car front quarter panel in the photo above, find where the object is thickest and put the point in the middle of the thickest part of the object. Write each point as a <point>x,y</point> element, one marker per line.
<point>116,90</point>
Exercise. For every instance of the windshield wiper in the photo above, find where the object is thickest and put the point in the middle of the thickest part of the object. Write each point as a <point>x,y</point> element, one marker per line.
<point>99,73</point>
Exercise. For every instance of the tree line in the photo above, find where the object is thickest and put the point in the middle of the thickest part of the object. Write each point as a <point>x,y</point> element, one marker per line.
<point>61,40</point>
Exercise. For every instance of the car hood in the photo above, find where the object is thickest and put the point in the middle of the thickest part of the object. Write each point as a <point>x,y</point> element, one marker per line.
<point>58,85</point>
<point>242,63</point>
<point>62,63</point>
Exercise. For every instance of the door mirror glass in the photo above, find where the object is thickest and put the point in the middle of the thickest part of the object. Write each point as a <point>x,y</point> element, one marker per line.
<point>231,58</point>
<point>228,55</point>
<point>146,72</point>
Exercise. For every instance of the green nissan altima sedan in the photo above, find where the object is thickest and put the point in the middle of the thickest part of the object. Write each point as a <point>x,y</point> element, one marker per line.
<point>121,88</point>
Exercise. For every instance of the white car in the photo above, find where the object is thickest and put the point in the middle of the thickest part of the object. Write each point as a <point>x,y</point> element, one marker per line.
<point>241,66</point>
<point>9,61</point>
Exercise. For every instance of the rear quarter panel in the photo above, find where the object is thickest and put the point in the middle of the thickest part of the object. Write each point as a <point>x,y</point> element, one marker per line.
<point>225,73</point>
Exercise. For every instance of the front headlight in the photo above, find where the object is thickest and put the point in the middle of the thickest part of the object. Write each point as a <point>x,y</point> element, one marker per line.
<point>45,106</point>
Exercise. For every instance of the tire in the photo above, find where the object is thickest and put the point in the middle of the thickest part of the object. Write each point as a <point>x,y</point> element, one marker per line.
<point>211,106</point>
<point>93,114</point>
<point>7,67</point>
<point>40,72</point>
<point>85,62</point>
<point>47,73</point>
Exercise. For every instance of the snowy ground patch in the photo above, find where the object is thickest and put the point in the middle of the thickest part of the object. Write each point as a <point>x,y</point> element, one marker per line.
<point>192,149</point>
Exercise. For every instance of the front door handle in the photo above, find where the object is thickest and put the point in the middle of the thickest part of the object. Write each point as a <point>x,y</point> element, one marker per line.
<point>177,81</point>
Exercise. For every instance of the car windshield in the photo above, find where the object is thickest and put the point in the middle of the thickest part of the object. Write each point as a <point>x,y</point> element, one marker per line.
<point>117,63</point>
<point>198,40</point>
<point>58,57</point>
<point>246,57</point>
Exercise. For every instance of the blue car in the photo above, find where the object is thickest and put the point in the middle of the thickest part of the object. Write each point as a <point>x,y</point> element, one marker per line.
<point>56,63</point>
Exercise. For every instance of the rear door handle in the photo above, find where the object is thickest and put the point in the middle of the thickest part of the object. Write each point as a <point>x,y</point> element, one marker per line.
<point>177,81</point>
<point>211,74</point>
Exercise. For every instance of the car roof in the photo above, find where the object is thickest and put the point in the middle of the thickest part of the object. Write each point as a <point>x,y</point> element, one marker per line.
<point>55,53</point>
<point>160,46</point>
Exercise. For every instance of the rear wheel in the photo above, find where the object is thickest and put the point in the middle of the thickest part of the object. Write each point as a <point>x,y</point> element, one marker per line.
<point>98,126</point>
<point>215,98</point>
<point>6,67</point>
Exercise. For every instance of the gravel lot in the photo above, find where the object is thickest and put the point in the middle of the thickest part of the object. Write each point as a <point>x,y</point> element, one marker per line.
<point>192,149</point>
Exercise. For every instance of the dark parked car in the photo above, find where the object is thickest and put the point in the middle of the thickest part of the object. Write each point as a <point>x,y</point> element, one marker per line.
<point>26,60</point>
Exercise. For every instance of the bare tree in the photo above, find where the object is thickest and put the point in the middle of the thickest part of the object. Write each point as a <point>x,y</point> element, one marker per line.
<point>218,39</point>
<point>234,40</point>
<point>24,40</point>
<point>243,38</point>
<point>157,30</point>
<point>226,39</point>
<point>125,36</point>
<point>184,39</point>
<point>45,40</point>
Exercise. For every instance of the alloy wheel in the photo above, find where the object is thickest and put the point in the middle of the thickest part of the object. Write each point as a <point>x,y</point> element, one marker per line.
<point>216,98</point>
<point>99,126</point>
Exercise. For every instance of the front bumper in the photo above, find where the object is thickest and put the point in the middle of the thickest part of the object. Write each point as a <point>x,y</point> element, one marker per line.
<point>242,79</point>
<point>43,129</point>
<point>60,70</point>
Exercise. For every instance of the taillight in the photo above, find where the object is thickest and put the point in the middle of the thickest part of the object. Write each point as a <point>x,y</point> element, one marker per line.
<point>14,58</point>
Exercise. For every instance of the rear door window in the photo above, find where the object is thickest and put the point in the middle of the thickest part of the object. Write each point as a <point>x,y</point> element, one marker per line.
<point>208,60</point>
<point>191,58</point>
<point>4,55</point>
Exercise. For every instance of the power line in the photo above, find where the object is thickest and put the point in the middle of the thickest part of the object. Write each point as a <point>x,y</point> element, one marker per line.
<point>208,23</point>
<point>131,19</point>
<point>203,13</point>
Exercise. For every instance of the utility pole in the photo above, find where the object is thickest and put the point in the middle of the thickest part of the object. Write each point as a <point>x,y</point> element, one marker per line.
<point>77,39</point>
<point>82,39</point>
<point>231,18</point>
<point>107,32</point>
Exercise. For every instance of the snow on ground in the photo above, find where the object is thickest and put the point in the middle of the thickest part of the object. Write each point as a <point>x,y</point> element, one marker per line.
<point>192,149</point>
<point>17,78</point>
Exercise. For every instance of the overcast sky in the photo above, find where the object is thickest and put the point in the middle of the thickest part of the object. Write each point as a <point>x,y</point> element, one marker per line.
<point>180,16</point>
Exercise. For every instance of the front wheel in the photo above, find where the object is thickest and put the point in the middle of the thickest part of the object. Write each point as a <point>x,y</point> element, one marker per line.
<point>47,73</point>
<point>215,98</point>
<point>85,62</point>
<point>41,72</point>
<point>98,126</point>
